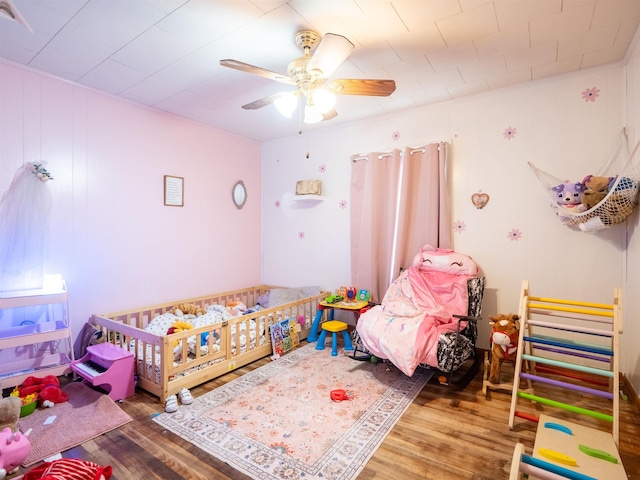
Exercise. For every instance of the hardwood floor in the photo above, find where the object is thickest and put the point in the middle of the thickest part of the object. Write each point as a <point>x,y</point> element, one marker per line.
<point>444,435</point>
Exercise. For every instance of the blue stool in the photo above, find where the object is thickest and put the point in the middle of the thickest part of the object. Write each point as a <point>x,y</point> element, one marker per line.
<point>334,326</point>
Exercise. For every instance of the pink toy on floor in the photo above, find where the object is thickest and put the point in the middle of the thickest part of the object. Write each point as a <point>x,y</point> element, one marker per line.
<point>14,448</point>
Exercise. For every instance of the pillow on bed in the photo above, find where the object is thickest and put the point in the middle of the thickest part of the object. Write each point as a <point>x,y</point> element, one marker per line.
<point>212,317</point>
<point>279,296</point>
<point>263,300</point>
<point>160,324</point>
<point>219,310</point>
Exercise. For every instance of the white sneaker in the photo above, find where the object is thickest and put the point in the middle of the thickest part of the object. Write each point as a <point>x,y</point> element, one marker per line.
<point>171,404</point>
<point>185,396</point>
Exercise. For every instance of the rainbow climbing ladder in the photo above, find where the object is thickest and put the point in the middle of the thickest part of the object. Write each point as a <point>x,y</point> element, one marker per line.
<point>582,346</point>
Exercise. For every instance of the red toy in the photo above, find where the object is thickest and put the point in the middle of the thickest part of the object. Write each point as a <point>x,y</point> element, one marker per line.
<point>67,468</point>
<point>351,294</point>
<point>339,395</point>
<point>48,389</point>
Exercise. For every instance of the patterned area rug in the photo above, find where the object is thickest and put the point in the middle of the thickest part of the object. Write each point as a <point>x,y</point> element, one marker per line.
<point>279,421</point>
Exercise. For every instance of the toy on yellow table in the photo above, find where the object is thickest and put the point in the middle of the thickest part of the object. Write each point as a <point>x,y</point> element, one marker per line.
<point>364,296</point>
<point>342,292</point>
<point>351,294</point>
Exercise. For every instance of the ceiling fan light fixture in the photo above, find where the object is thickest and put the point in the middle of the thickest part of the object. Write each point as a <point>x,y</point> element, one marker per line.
<point>312,115</point>
<point>286,104</point>
<point>324,100</point>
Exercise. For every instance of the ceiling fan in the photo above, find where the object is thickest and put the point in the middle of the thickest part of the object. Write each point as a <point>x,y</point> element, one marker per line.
<point>310,73</point>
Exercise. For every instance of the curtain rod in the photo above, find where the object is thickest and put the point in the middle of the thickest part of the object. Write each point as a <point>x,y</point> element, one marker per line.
<point>383,155</point>
<point>380,156</point>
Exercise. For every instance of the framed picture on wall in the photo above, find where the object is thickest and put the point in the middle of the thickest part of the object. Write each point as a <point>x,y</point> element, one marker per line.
<point>173,191</point>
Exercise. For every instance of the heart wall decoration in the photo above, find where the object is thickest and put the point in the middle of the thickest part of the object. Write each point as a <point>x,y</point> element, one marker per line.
<point>479,199</point>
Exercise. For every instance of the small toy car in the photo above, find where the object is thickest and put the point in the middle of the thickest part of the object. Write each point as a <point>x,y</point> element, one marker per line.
<point>333,298</point>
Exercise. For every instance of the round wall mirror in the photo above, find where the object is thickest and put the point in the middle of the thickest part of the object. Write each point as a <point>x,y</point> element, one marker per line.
<point>239,194</point>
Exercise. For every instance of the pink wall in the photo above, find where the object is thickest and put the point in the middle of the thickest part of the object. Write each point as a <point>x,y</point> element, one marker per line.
<point>111,237</point>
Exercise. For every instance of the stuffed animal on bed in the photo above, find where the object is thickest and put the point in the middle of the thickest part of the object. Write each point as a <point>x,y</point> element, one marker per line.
<point>178,327</point>
<point>504,342</point>
<point>183,309</point>
<point>236,308</point>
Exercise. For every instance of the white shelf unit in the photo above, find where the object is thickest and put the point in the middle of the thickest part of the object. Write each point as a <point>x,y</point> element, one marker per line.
<point>308,198</point>
<point>35,336</point>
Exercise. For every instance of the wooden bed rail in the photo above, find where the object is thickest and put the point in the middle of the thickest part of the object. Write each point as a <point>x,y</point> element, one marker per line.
<point>166,363</point>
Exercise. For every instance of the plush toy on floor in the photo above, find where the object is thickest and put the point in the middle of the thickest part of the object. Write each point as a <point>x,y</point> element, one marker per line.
<point>504,342</point>
<point>9,413</point>
<point>69,468</point>
<point>47,388</point>
<point>14,448</point>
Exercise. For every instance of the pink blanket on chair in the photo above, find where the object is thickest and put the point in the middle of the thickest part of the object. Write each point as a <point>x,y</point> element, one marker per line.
<point>417,308</point>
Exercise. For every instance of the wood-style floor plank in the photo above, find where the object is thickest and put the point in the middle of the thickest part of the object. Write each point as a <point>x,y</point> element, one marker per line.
<point>443,435</point>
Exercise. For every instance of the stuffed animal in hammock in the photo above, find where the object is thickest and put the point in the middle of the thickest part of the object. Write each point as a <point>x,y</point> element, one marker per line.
<point>596,189</point>
<point>569,196</point>
<point>505,331</point>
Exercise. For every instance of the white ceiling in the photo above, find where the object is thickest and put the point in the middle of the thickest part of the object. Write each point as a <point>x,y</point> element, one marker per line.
<point>166,53</point>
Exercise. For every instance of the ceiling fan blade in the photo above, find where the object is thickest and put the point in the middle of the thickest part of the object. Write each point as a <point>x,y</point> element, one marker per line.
<point>332,50</point>
<point>378,88</point>
<point>263,102</point>
<point>245,67</point>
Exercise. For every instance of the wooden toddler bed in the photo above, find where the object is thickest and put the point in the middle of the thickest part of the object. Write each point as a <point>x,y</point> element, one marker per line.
<point>222,339</point>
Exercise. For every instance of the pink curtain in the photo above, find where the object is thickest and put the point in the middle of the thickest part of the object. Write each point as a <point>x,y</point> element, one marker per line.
<point>374,193</point>
<point>424,213</point>
<point>399,202</point>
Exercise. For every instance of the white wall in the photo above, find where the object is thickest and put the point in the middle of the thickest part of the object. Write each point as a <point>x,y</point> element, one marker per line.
<point>629,340</point>
<point>556,130</point>
<point>112,238</point>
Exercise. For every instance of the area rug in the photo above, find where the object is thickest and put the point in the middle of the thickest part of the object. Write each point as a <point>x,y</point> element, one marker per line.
<point>86,415</point>
<point>279,421</point>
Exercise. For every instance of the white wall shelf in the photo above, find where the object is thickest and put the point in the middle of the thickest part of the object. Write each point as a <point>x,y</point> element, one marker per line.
<point>308,198</point>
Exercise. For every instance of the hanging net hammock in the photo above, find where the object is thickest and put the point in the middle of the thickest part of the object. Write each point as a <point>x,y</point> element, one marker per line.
<point>615,201</point>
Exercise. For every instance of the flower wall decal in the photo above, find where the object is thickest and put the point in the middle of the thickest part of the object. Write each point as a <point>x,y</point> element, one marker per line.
<point>322,168</point>
<point>342,204</point>
<point>514,235</point>
<point>395,135</point>
<point>277,203</point>
<point>301,235</point>
<point>459,226</point>
<point>509,133</point>
<point>590,94</point>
